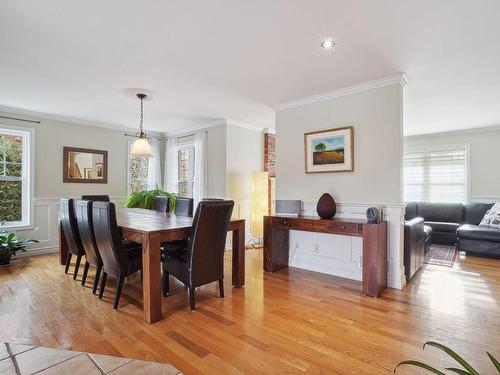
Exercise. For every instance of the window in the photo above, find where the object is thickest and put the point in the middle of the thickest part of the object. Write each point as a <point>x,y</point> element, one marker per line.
<point>185,170</point>
<point>436,175</point>
<point>137,172</point>
<point>15,177</point>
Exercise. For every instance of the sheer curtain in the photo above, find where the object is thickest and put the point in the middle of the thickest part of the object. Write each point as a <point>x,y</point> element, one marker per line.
<point>171,165</point>
<point>200,167</point>
<point>154,168</point>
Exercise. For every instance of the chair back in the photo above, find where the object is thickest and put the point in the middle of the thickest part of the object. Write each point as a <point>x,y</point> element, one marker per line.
<point>86,229</point>
<point>208,240</point>
<point>108,239</point>
<point>162,203</point>
<point>70,226</point>
<point>96,198</point>
<point>184,206</point>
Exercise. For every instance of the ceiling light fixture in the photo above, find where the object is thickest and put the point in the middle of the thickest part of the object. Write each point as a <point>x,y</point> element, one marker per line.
<point>328,43</point>
<point>141,146</point>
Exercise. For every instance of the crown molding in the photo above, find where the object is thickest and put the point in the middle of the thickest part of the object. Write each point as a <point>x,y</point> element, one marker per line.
<point>244,125</point>
<point>399,78</point>
<point>40,116</point>
<point>481,129</point>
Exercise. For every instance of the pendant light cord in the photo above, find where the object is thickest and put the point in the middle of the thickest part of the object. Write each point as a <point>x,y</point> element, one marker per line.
<point>142,115</point>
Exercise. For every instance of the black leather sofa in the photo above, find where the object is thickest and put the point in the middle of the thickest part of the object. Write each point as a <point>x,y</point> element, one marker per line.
<point>456,223</point>
<point>447,224</point>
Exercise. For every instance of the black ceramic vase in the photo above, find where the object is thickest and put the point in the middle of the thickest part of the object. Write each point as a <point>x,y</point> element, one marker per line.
<point>326,206</point>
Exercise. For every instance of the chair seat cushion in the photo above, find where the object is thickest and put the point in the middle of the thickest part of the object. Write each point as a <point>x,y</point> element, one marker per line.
<point>478,232</point>
<point>442,226</point>
<point>133,249</point>
<point>175,265</point>
<point>175,245</point>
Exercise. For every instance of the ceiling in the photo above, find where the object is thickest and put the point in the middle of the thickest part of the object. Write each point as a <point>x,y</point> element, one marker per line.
<point>238,59</point>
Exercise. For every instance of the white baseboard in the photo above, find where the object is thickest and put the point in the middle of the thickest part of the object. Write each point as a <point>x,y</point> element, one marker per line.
<point>39,251</point>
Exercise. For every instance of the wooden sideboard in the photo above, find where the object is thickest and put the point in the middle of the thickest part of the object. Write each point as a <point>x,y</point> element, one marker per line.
<point>277,244</point>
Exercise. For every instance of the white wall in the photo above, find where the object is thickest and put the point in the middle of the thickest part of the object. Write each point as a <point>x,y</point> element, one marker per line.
<point>376,116</point>
<point>483,146</point>
<point>216,163</point>
<point>245,155</point>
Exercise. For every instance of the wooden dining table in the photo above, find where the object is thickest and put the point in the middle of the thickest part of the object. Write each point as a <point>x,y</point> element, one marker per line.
<point>151,228</point>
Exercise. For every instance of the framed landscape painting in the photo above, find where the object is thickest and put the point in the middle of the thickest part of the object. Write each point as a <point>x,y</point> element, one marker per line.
<point>329,150</point>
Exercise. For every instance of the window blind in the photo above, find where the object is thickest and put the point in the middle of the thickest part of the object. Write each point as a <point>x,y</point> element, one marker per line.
<point>436,176</point>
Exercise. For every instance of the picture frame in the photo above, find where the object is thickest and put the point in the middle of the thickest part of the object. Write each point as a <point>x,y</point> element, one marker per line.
<point>83,165</point>
<point>330,150</point>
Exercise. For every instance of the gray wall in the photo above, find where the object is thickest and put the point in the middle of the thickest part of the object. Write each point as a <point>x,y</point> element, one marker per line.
<point>483,146</point>
<point>376,116</point>
<point>50,138</point>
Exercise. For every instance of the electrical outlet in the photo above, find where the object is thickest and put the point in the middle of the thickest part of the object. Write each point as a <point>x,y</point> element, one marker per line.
<point>316,249</point>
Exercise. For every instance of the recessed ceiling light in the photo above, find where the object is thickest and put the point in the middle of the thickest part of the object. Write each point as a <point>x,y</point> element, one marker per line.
<point>328,43</point>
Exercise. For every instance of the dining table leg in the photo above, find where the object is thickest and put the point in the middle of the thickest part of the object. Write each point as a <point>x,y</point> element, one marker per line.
<point>239,254</point>
<point>151,281</point>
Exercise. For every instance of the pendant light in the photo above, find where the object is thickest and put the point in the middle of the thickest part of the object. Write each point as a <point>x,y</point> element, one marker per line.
<point>141,146</point>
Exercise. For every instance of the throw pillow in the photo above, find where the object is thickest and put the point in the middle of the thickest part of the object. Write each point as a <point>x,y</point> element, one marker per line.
<point>492,216</point>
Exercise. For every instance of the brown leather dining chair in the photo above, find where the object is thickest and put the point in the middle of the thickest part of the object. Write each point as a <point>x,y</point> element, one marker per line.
<point>96,198</point>
<point>202,262</point>
<point>162,204</point>
<point>70,229</point>
<point>83,210</point>
<point>120,258</point>
<point>184,206</point>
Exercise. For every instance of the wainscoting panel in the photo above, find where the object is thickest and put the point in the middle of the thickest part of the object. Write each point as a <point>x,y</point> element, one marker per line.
<point>342,255</point>
<point>326,253</point>
<point>46,225</point>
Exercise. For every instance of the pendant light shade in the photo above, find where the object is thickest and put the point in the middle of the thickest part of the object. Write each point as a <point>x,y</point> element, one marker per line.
<point>141,146</point>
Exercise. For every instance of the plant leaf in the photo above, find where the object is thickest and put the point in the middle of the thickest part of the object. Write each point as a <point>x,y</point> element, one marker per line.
<point>495,362</point>
<point>458,371</point>
<point>421,365</point>
<point>454,355</point>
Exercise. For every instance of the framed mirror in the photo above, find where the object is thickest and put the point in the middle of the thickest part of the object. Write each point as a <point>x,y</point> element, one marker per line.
<point>82,165</point>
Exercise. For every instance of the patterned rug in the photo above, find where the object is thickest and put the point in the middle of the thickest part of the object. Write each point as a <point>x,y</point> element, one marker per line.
<point>441,255</point>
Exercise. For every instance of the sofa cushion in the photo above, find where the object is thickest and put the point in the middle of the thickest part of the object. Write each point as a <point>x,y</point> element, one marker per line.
<point>474,212</point>
<point>441,212</point>
<point>411,210</point>
<point>442,227</point>
<point>479,232</point>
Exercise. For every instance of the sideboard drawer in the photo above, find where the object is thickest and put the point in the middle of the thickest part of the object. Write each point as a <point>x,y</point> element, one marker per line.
<point>344,227</point>
<point>282,222</point>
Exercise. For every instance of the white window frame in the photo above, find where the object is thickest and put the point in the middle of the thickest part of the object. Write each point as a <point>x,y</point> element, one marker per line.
<point>27,178</point>
<point>187,146</point>
<point>446,147</point>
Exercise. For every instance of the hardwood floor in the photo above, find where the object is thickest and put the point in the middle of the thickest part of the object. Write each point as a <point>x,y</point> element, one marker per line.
<point>291,321</point>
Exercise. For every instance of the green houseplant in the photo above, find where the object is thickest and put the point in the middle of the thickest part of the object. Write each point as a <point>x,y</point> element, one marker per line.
<point>10,244</point>
<point>467,368</point>
<point>146,199</point>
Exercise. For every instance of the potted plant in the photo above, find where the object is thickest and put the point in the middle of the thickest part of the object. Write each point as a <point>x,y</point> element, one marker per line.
<point>146,199</point>
<point>466,370</point>
<point>10,243</point>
